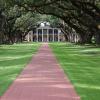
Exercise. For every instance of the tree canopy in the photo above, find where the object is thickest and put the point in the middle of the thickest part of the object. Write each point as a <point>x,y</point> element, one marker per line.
<point>78,17</point>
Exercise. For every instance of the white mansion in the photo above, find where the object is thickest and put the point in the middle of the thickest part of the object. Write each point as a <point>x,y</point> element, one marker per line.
<point>45,33</point>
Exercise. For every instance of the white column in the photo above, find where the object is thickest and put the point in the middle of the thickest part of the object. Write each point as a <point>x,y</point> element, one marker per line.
<point>53,34</point>
<point>47,35</point>
<point>42,34</point>
<point>37,34</point>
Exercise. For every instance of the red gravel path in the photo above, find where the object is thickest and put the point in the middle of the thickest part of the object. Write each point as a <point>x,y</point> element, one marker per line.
<point>42,79</point>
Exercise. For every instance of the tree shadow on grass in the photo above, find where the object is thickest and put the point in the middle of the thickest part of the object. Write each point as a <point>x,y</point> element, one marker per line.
<point>13,59</point>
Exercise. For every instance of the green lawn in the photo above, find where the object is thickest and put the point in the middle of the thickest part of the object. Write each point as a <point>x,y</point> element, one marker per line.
<point>13,59</point>
<point>82,65</point>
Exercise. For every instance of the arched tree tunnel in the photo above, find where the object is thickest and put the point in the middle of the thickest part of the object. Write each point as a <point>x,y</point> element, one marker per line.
<point>76,17</point>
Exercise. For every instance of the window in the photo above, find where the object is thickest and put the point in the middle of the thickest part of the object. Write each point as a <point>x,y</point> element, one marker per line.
<point>39,31</point>
<point>50,31</point>
<point>55,31</point>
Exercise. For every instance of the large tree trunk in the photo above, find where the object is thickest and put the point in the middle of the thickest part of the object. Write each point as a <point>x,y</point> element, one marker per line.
<point>1,38</point>
<point>89,38</point>
<point>97,37</point>
<point>82,39</point>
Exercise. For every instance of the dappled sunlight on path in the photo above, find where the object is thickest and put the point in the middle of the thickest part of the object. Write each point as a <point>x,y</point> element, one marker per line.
<point>42,79</point>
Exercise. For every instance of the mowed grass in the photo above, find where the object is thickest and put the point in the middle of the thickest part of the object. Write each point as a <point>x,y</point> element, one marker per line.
<point>13,59</point>
<point>82,65</point>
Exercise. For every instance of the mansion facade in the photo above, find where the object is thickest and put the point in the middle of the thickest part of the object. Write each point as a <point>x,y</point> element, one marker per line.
<point>45,34</point>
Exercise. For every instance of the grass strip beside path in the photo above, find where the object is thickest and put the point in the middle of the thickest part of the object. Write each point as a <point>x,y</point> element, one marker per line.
<point>82,65</point>
<point>13,59</point>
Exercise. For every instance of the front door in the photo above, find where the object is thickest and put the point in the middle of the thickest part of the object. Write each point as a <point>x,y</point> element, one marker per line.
<point>44,38</point>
